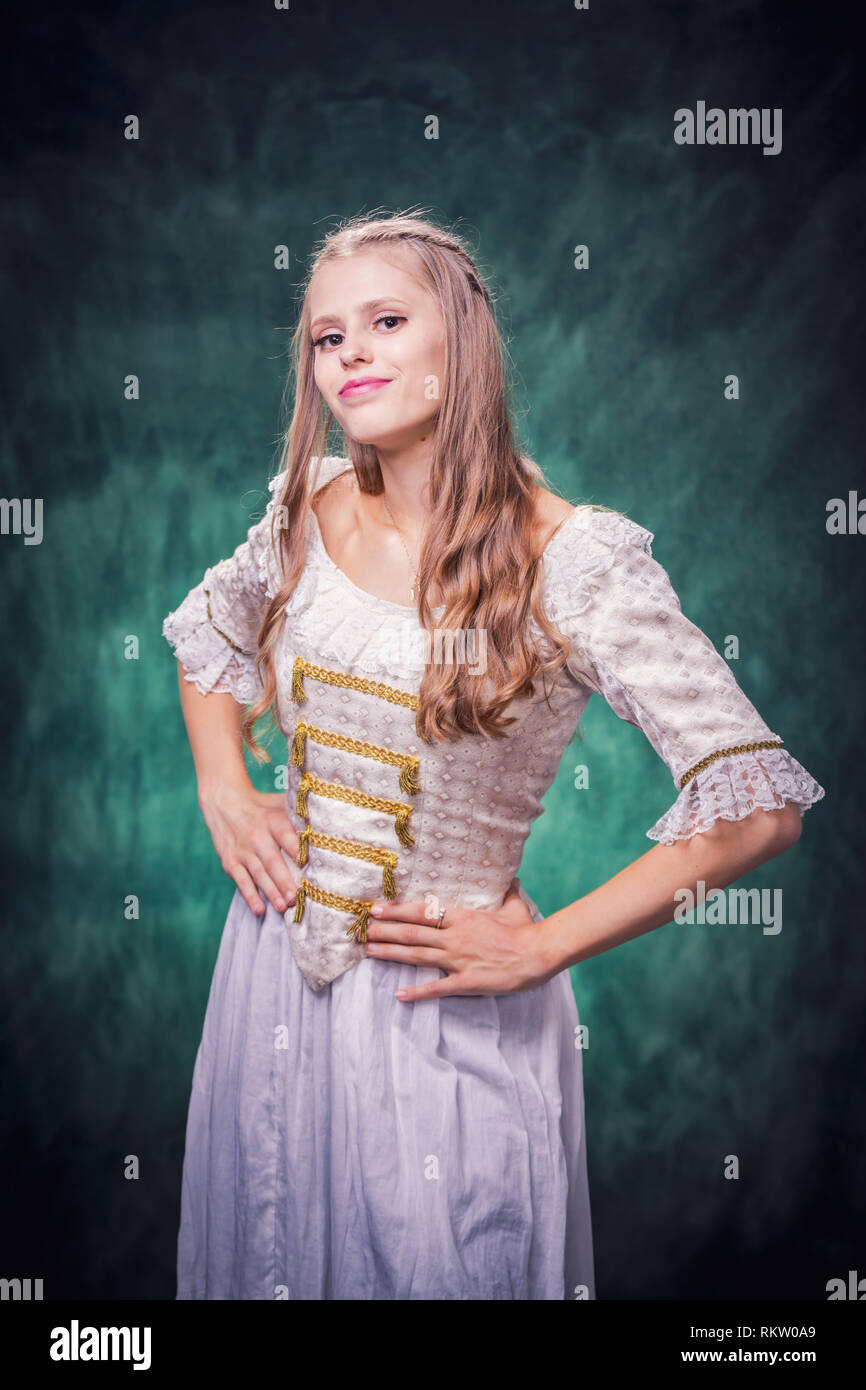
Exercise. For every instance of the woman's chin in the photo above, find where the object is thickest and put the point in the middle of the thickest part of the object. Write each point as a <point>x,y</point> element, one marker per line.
<point>378,436</point>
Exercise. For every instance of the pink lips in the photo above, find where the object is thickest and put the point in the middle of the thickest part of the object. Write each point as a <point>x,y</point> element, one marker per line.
<point>362,384</point>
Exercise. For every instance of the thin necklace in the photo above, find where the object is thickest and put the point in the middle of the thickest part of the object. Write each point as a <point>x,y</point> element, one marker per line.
<point>405,547</point>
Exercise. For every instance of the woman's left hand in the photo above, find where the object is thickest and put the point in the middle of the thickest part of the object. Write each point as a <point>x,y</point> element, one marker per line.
<point>483,952</point>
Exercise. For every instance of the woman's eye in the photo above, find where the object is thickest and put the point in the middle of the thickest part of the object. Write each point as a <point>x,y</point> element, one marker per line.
<point>383,318</point>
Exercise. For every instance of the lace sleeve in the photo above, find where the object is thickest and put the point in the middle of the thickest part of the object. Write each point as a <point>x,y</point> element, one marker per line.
<point>214,632</point>
<point>632,644</point>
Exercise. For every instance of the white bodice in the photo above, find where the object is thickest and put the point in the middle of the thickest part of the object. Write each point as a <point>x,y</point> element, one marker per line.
<point>383,814</point>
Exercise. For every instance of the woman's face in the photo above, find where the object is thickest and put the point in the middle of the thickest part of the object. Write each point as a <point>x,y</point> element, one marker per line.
<point>371,319</point>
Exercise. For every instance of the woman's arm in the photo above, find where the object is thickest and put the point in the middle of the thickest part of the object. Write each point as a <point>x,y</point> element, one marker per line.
<point>642,896</point>
<point>213,634</point>
<point>506,951</point>
<point>213,726</point>
<point>249,828</point>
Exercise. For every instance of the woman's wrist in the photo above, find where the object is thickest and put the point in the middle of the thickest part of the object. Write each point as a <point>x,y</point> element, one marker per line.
<point>215,786</point>
<point>552,946</point>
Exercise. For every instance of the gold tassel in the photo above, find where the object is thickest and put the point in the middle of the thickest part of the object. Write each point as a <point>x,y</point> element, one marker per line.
<point>401,825</point>
<point>409,778</point>
<point>358,928</point>
<point>302,795</point>
<point>389,886</point>
<point>300,899</point>
<point>299,743</point>
<point>303,844</point>
<point>298,692</point>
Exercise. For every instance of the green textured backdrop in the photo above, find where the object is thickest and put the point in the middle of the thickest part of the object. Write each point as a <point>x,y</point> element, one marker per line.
<point>155,257</point>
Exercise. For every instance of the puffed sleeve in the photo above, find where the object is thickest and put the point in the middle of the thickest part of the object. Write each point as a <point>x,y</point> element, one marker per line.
<point>631,643</point>
<point>214,632</point>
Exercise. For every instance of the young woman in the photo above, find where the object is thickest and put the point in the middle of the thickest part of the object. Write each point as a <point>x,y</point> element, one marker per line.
<point>389,1105</point>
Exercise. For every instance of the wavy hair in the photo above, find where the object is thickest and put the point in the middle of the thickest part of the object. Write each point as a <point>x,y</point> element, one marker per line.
<point>477,546</point>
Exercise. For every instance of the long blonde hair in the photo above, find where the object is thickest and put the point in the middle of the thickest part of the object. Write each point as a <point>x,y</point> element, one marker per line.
<point>478,550</point>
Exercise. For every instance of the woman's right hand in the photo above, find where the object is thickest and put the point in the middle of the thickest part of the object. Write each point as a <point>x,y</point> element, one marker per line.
<point>251,831</point>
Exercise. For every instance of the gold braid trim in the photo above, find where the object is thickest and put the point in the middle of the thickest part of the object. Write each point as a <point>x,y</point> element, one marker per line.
<point>223,635</point>
<point>409,784</point>
<point>726,753</point>
<point>407,764</point>
<point>359,906</point>
<point>391,693</point>
<point>355,797</point>
<point>373,854</point>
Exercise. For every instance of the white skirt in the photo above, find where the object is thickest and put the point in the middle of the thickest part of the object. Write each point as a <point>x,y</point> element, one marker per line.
<point>347,1145</point>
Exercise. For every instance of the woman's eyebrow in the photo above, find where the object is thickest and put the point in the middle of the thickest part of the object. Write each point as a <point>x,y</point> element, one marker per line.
<point>366,308</point>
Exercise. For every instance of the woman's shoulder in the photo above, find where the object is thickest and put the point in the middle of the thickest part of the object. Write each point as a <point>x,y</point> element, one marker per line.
<point>551,512</point>
<point>585,528</point>
<point>322,472</point>
<point>594,552</point>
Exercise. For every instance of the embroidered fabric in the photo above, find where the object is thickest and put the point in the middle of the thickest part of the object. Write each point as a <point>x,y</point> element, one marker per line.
<point>632,644</point>
<point>629,642</point>
<point>733,788</point>
<point>217,648</point>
